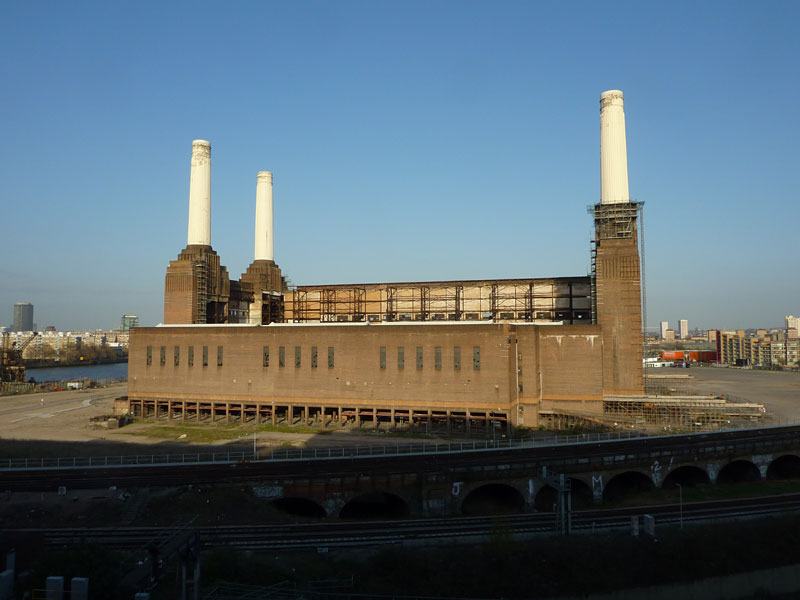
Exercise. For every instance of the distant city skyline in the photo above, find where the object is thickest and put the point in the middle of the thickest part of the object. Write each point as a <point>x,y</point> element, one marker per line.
<point>408,142</point>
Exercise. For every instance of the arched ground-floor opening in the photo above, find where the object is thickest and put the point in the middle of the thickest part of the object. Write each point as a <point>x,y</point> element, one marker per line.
<point>738,471</point>
<point>300,507</point>
<point>493,499</point>
<point>625,485</point>
<point>547,497</point>
<point>375,505</point>
<point>784,467</point>
<point>685,476</point>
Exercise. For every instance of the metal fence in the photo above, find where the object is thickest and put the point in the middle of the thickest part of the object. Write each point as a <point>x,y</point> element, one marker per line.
<point>10,388</point>
<point>282,454</point>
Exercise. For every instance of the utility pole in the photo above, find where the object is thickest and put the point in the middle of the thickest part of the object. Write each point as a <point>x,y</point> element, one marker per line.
<point>564,500</point>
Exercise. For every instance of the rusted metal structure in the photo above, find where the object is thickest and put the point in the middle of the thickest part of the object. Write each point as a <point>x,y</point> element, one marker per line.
<point>12,367</point>
<point>563,300</point>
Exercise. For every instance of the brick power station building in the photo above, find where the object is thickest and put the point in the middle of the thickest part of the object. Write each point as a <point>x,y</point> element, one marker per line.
<point>458,353</point>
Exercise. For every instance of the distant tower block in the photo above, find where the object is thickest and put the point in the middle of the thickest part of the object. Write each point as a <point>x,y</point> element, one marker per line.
<point>260,297</point>
<point>197,287</point>
<point>613,149</point>
<point>200,195</point>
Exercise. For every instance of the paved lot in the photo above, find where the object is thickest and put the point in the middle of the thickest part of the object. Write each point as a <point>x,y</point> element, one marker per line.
<point>57,424</point>
<point>778,390</point>
<point>62,418</point>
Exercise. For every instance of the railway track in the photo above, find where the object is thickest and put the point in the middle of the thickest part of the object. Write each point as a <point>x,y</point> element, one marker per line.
<point>376,533</point>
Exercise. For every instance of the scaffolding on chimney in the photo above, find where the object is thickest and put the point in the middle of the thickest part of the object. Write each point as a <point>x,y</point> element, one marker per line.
<point>200,269</point>
<point>616,220</point>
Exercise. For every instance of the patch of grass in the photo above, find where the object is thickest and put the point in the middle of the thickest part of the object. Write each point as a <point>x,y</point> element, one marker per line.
<point>700,493</point>
<point>193,433</point>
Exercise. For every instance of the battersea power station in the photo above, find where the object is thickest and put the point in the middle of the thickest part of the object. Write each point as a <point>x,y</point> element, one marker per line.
<point>464,355</point>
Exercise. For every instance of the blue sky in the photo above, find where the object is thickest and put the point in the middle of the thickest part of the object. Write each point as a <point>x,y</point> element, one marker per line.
<point>408,140</point>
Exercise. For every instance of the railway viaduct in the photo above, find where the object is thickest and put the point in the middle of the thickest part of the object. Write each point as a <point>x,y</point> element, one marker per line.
<point>512,480</point>
<point>466,482</point>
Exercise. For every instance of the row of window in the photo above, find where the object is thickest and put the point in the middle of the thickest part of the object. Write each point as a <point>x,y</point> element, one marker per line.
<point>298,356</point>
<point>176,353</point>
<point>437,357</point>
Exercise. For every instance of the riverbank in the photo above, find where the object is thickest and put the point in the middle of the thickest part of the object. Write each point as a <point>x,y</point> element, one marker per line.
<point>117,371</point>
<point>54,364</point>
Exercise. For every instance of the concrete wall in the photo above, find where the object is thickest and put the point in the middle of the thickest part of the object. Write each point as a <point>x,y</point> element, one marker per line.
<point>567,369</point>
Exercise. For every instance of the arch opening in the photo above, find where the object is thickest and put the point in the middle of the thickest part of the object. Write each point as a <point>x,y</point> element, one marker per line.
<point>375,505</point>
<point>738,471</point>
<point>626,485</point>
<point>547,497</point>
<point>784,467</point>
<point>685,476</point>
<point>299,507</point>
<point>493,499</point>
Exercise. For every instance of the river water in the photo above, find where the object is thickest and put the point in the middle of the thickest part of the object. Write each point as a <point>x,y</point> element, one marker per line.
<point>109,371</point>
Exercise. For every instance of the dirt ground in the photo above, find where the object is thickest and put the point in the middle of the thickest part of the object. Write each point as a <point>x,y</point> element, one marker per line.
<point>57,424</point>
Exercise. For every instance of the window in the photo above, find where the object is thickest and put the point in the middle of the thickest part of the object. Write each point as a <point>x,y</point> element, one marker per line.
<point>265,361</point>
<point>297,356</point>
<point>457,357</point>
<point>205,356</point>
<point>177,355</point>
<point>383,357</point>
<point>401,358</point>
<point>282,356</point>
<point>190,356</point>
<point>313,357</point>
<point>163,355</point>
<point>330,357</point>
<point>149,355</point>
<point>219,356</point>
<point>476,358</point>
<point>438,358</point>
<point>419,357</point>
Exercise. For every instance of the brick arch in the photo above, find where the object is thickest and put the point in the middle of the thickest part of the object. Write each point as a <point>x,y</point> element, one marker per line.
<point>581,492</point>
<point>375,504</point>
<point>786,466</point>
<point>687,475</point>
<point>626,483</point>
<point>738,471</point>
<point>490,497</point>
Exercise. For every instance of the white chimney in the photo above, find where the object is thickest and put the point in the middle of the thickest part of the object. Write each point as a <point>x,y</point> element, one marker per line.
<point>613,150</point>
<point>265,246</point>
<point>200,195</point>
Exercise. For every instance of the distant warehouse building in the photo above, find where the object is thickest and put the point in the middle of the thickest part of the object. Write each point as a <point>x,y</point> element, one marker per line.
<point>733,348</point>
<point>690,355</point>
